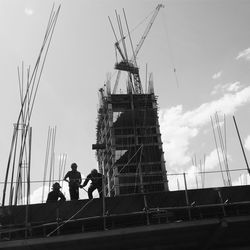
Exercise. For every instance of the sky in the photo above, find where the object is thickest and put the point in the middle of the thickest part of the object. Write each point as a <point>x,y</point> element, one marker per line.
<point>197,50</point>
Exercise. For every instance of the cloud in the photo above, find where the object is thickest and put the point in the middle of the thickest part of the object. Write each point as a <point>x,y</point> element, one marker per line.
<point>245,54</point>
<point>176,135</point>
<point>194,175</point>
<point>233,87</point>
<point>176,181</point>
<point>217,75</point>
<point>216,89</point>
<point>228,87</point>
<point>243,179</point>
<point>179,127</point>
<point>247,143</point>
<point>28,11</point>
<point>36,195</point>
<point>212,160</point>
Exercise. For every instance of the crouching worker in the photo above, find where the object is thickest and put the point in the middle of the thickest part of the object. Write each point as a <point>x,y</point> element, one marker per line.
<point>96,183</point>
<point>55,194</point>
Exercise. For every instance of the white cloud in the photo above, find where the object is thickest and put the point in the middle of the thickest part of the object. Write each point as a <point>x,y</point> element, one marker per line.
<point>28,11</point>
<point>212,160</point>
<point>217,75</point>
<point>233,87</point>
<point>228,87</point>
<point>243,179</point>
<point>245,54</point>
<point>36,195</point>
<point>176,135</point>
<point>216,89</point>
<point>192,176</point>
<point>178,127</point>
<point>247,143</point>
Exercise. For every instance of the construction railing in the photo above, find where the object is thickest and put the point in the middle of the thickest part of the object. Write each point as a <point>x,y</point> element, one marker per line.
<point>181,205</point>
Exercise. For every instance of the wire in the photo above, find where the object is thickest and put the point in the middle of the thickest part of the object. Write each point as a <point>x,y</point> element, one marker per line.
<point>172,61</point>
<point>48,235</point>
<point>139,24</point>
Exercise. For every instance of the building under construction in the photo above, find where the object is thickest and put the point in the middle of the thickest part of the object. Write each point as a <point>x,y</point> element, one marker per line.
<point>131,148</point>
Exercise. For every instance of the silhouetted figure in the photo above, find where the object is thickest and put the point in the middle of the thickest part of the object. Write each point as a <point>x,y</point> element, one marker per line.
<point>55,194</point>
<point>96,183</point>
<point>74,180</point>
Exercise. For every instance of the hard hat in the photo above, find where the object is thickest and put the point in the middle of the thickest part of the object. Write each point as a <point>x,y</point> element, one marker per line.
<point>94,171</point>
<point>56,185</point>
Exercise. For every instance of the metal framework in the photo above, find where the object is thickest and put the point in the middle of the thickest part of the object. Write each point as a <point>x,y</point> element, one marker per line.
<point>129,146</point>
<point>216,218</point>
<point>125,64</point>
<point>20,150</point>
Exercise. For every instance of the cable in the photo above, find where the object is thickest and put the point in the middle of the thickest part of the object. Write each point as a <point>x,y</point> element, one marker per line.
<point>48,235</point>
<point>170,52</point>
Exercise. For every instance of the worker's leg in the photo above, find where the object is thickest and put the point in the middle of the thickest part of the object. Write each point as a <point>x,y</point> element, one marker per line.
<point>100,192</point>
<point>71,193</point>
<point>74,193</point>
<point>90,191</point>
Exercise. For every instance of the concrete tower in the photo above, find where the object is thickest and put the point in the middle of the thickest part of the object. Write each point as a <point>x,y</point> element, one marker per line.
<point>129,146</point>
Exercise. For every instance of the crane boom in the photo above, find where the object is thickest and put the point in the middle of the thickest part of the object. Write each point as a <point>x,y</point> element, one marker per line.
<point>139,45</point>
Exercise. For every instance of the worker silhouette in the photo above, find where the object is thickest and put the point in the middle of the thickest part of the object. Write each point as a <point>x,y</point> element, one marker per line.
<point>55,194</point>
<point>96,183</point>
<point>74,179</point>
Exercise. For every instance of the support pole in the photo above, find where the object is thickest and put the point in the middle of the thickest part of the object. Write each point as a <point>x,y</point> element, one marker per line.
<point>238,133</point>
<point>186,195</point>
<point>103,198</point>
<point>8,165</point>
<point>28,186</point>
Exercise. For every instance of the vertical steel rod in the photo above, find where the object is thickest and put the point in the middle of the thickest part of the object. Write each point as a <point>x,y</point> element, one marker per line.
<point>243,151</point>
<point>186,195</point>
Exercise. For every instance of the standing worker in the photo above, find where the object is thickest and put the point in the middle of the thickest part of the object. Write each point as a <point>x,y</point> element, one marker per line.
<point>96,183</point>
<point>55,194</point>
<point>74,180</point>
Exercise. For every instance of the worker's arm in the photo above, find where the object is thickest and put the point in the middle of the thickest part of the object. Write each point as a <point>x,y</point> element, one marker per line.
<point>65,177</point>
<point>62,197</point>
<point>80,179</point>
<point>85,182</point>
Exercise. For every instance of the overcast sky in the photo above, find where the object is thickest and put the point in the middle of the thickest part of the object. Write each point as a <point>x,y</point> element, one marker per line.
<point>198,51</point>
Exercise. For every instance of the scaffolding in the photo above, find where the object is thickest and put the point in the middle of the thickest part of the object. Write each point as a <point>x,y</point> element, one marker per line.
<point>129,146</point>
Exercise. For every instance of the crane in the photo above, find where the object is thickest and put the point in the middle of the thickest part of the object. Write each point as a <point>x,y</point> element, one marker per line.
<point>131,65</point>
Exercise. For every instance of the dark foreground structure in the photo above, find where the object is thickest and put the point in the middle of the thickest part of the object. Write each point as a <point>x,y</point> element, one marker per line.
<point>194,219</point>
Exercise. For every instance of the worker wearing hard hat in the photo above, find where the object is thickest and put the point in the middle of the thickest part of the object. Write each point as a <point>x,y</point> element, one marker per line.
<point>96,183</point>
<point>55,194</point>
<point>74,179</point>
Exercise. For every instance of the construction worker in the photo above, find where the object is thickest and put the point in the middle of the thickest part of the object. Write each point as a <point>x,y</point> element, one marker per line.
<point>74,179</point>
<point>96,183</point>
<point>55,194</point>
